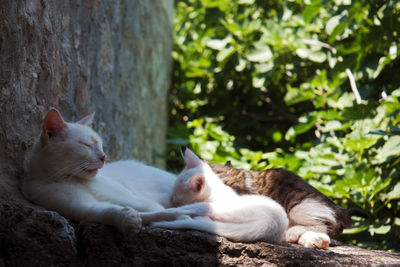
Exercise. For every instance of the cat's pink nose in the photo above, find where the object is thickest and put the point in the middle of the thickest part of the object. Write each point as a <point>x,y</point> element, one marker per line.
<point>103,158</point>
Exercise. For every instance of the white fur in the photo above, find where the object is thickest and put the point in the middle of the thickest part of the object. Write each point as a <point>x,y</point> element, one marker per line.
<point>240,218</point>
<point>249,182</point>
<point>312,239</point>
<point>65,174</point>
<point>311,212</point>
<point>307,229</point>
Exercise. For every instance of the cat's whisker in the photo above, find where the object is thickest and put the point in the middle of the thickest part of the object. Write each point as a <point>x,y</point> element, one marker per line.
<point>81,168</point>
<point>60,173</point>
<point>69,170</point>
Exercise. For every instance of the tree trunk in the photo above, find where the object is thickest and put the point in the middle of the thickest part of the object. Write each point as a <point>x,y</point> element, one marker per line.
<point>108,57</point>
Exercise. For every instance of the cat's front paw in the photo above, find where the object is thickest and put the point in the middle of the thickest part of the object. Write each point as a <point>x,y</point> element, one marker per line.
<point>165,224</point>
<point>131,222</point>
<point>183,217</point>
<point>314,240</point>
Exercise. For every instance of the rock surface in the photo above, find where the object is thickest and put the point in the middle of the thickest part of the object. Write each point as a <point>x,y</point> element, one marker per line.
<point>35,237</point>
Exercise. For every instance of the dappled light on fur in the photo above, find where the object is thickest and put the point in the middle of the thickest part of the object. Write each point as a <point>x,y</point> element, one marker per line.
<point>240,218</point>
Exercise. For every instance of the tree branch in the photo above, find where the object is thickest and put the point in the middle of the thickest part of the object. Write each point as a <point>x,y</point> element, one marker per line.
<point>353,86</point>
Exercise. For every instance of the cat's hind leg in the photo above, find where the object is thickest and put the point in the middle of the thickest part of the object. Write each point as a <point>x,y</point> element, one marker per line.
<point>294,233</point>
<point>307,236</point>
<point>312,239</point>
<point>309,222</point>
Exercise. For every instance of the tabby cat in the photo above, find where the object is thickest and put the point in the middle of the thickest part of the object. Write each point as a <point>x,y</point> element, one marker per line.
<point>313,218</point>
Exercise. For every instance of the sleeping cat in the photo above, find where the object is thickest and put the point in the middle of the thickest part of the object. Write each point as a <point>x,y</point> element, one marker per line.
<point>67,173</point>
<point>240,218</point>
<point>313,217</point>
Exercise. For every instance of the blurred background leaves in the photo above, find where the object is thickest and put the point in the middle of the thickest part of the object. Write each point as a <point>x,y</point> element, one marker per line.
<point>267,84</point>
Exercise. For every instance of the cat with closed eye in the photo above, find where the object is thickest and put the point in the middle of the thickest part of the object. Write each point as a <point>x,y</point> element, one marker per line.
<point>313,218</point>
<point>66,172</point>
<point>245,218</point>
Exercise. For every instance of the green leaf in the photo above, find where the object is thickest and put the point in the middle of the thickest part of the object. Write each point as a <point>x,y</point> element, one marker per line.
<point>260,55</point>
<point>379,186</point>
<point>389,150</point>
<point>213,3</point>
<point>303,52</point>
<point>294,96</point>
<point>317,56</point>
<point>246,2</point>
<point>218,44</point>
<point>355,230</point>
<point>311,11</point>
<point>306,123</point>
<point>395,193</point>
<point>258,82</point>
<point>338,29</point>
<point>332,23</point>
<point>384,229</point>
<point>264,67</point>
<point>241,65</point>
<point>233,27</point>
<point>331,126</point>
<point>225,53</point>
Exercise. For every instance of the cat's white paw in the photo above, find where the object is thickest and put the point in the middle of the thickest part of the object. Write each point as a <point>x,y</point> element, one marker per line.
<point>184,217</point>
<point>161,224</point>
<point>293,234</point>
<point>314,240</point>
<point>131,222</point>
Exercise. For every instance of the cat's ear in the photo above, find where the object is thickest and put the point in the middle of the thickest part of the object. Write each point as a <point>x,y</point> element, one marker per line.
<point>53,123</point>
<point>196,183</point>
<point>191,159</point>
<point>87,120</point>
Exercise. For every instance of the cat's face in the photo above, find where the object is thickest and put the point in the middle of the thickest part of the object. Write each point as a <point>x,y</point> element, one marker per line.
<point>190,185</point>
<point>68,149</point>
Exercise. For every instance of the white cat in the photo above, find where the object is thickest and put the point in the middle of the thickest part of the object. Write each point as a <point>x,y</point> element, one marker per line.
<point>65,174</point>
<point>240,218</point>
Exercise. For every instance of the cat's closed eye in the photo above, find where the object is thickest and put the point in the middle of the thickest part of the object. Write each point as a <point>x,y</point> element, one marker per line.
<point>85,144</point>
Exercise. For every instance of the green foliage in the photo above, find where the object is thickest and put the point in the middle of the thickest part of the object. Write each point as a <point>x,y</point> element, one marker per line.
<point>266,84</point>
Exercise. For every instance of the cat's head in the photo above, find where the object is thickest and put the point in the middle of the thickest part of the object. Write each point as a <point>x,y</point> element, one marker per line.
<point>66,149</point>
<point>192,184</point>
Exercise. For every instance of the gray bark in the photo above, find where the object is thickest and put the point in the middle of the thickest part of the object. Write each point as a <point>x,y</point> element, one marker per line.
<point>108,57</point>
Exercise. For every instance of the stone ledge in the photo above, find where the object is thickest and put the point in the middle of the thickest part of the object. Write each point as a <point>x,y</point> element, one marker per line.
<point>32,236</point>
